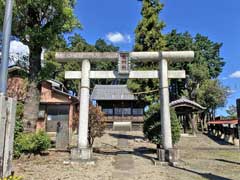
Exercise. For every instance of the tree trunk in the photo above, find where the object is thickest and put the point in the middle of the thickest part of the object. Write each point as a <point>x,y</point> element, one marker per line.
<point>202,117</point>
<point>31,106</point>
<point>214,113</point>
<point>192,120</point>
<point>185,123</point>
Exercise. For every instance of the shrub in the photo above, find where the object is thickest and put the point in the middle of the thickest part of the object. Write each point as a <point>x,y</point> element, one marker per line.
<point>152,125</point>
<point>31,143</point>
<point>19,123</point>
<point>96,124</point>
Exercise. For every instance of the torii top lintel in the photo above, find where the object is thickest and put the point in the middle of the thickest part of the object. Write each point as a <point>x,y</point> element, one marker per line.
<point>173,56</point>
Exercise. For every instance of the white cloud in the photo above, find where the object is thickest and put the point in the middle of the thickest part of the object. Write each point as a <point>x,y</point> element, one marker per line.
<point>232,91</point>
<point>223,78</point>
<point>236,74</point>
<point>118,37</point>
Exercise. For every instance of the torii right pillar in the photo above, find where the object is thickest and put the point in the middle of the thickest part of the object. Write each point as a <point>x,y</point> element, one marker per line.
<point>168,153</point>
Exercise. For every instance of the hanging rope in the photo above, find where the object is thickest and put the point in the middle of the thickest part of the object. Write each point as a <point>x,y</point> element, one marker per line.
<point>146,92</point>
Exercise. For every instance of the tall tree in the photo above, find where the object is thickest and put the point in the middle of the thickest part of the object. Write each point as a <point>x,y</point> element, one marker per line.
<point>37,24</point>
<point>212,95</point>
<point>201,84</point>
<point>148,37</point>
<point>207,64</point>
<point>232,112</point>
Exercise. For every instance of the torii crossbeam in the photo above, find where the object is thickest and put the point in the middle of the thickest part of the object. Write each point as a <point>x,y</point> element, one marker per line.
<point>86,58</point>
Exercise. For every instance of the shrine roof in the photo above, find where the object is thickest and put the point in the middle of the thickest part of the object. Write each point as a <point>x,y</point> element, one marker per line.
<point>112,92</point>
<point>184,102</point>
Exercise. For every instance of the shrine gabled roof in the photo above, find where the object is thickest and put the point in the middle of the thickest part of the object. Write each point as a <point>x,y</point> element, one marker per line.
<point>112,92</point>
<point>184,102</point>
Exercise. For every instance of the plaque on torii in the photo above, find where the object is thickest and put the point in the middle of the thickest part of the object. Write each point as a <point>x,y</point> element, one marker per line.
<point>124,72</point>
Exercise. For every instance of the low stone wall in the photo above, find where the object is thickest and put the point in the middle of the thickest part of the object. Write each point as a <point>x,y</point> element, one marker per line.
<point>226,132</point>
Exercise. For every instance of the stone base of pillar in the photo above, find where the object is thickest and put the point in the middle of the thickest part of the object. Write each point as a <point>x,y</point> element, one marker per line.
<point>168,155</point>
<point>81,154</point>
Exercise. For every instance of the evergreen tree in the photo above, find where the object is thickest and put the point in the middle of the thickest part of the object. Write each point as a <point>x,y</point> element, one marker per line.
<point>207,63</point>
<point>148,37</point>
<point>152,125</point>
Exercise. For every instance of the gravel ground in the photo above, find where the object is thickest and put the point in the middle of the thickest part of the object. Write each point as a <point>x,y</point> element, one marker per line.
<point>201,158</point>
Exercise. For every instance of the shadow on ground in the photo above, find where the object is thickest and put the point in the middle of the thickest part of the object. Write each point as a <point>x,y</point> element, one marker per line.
<point>209,176</point>
<point>227,161</point>
<point>140,152</point>
<point>125,136</point>
<point>217,139</point>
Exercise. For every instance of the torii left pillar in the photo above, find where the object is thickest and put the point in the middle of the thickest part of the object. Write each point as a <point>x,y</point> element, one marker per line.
<point>85,151</point>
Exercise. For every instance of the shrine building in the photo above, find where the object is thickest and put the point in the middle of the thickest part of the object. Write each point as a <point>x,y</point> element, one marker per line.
<point>120,105</point>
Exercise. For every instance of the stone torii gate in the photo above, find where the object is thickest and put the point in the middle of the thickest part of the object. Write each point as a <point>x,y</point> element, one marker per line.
<point>86,58</point>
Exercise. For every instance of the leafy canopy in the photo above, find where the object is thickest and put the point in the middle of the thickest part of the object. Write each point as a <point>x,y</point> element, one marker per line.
<point>55,70</point>
<point>39,22</point>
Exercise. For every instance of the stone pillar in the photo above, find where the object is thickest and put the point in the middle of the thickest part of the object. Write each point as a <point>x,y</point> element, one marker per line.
<point>7,125</point>
<point>164,104</point>
<point>83,152</point>
<point>3,109</point>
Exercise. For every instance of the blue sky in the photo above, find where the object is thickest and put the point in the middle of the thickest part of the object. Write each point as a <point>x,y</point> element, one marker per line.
<point>115,21</point>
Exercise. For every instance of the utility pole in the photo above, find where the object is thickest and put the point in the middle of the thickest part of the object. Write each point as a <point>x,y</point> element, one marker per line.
<point>7,105</point>
<point>238,117</point>
<point>7,26</point>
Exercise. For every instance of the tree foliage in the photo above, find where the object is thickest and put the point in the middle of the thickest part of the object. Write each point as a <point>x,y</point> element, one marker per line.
<point>19,124</point>
<point>232,112</point>
<point>38,24</point>
<point>207,63</point>
<point>201,84</point>
<point>148,37</point>
<point>55,70</point>
<point>212,95</point>
<point>152,125</point>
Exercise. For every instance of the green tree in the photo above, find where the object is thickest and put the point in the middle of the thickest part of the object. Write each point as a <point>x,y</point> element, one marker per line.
<point>102,46</point>
<point>38,24</point>
<point>232,112</point>
<point>148,37</point>
<point>55,70</point>
<point>212,94</point>
<point>201,84</point>
<point>207,64</point>
<point>152,125</point>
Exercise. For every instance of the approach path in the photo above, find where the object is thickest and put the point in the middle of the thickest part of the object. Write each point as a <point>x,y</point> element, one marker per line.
<point>124,156</point>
